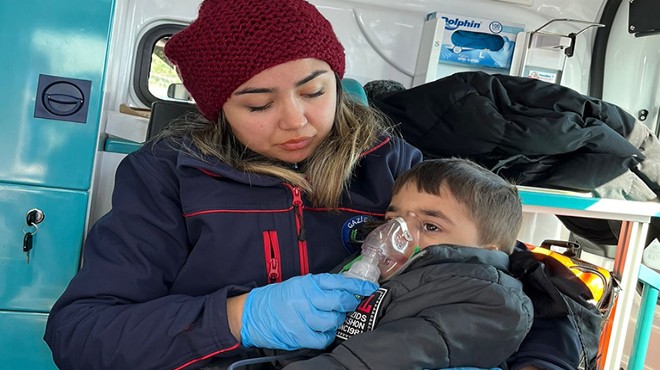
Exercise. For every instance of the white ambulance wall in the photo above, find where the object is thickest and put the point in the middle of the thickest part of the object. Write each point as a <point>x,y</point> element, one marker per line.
<point>632,70</point>
<point>133,18</point>
<point>631,80</point>
<point>382,37</point>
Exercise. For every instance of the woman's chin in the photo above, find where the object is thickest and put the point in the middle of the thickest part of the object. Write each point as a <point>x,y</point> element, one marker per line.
<point>294,156</point>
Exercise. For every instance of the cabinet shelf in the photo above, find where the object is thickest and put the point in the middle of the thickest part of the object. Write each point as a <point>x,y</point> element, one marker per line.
<point>627,264</point>
<point>540,200</point>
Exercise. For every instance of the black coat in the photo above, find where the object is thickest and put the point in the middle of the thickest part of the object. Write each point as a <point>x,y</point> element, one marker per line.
<point>452,306</point>
<point>534,132</point>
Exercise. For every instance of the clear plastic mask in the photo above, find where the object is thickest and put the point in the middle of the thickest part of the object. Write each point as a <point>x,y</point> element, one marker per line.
<point>387,248</point>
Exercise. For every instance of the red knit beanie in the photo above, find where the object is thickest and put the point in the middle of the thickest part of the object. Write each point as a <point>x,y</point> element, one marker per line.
<point>233,40</point>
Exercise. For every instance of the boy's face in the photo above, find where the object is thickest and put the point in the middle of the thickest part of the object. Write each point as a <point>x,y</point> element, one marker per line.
<point>444,220</point>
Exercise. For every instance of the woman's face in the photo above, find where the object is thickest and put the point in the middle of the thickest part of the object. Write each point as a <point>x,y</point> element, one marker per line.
<point>285,111</point>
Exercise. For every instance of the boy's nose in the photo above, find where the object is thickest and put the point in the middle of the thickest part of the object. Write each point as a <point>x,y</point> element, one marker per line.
<point>413,224</point>
<point>411,217</point>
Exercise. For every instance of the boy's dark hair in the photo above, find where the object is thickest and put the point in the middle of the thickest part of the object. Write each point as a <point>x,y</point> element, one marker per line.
<point>492,202</point>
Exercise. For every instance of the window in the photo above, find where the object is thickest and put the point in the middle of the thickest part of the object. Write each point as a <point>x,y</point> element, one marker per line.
<point>154,77</point>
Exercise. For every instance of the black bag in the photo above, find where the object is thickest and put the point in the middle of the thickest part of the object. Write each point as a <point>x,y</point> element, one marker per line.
<point>556,291</point>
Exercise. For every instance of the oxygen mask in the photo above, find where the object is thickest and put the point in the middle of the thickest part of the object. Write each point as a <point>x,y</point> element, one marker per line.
<point>387,248</point>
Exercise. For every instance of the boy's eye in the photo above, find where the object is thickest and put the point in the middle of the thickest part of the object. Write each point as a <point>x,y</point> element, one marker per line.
<point>431,227</point>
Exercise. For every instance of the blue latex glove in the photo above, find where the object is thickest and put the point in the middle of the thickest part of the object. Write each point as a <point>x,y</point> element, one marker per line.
<point>302,312</point>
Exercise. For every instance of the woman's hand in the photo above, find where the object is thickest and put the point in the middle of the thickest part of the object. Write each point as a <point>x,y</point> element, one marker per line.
<point>302,312</point>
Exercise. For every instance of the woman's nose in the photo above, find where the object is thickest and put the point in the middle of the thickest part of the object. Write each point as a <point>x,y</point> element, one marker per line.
<point>292,115</point>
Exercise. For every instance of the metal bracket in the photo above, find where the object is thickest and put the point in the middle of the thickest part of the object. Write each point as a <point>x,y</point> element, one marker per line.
<point>557,38</point>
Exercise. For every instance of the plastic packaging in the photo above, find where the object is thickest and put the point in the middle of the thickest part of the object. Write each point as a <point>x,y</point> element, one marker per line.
<point>651,255</point>
<point>386,249</point>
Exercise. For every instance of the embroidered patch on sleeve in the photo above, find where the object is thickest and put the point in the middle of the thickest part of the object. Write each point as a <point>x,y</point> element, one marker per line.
<point>364,317</point>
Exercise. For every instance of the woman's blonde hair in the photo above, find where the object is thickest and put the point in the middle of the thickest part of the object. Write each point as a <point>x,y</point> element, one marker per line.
<point>323,176</point>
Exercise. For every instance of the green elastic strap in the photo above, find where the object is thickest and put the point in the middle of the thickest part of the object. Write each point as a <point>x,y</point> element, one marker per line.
<point>348,265</point>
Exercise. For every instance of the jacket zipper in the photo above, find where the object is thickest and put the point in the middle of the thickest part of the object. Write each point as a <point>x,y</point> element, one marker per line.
<point>272,255</point>
<point>300,230</point>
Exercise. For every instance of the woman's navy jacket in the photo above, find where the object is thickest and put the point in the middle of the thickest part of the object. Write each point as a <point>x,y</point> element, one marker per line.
<point>182,236</point>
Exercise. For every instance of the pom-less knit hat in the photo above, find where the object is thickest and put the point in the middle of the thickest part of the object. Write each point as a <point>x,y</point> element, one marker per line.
<point>233,40</point>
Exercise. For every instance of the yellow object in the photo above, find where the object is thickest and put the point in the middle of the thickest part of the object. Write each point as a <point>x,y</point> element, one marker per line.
<point>597,279</point>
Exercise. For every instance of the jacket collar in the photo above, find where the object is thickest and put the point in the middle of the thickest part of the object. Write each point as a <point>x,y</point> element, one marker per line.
<point>214,167</point>
<point>449,253</point>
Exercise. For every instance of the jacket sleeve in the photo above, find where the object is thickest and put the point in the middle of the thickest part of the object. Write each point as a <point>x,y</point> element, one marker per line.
<point>117,313</point>
<point>438,317</point>
<point>552,344</point>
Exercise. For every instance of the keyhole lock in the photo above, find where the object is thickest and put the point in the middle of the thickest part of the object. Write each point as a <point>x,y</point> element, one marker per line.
<point>34,216</point>
<point>32,219</point>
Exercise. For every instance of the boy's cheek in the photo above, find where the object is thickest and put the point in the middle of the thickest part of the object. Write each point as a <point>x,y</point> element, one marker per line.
<point>392,264</point>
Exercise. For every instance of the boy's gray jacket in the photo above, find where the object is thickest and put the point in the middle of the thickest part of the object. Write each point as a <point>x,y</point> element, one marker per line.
<point>453,306</point>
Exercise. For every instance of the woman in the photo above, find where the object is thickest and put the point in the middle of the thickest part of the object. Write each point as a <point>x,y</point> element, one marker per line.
<point>254,193</point>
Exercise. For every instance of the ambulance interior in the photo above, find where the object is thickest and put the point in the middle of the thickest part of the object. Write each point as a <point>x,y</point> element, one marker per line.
<point>605,49</point>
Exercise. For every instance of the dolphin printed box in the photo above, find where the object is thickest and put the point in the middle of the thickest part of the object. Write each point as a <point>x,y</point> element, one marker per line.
<point>476,41</point>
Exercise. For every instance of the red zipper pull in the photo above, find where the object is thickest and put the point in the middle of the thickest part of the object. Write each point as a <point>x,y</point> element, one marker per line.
<point>297,202</point>
<point>273,275</point>
<point>300,226</point>
<point>297,197</point>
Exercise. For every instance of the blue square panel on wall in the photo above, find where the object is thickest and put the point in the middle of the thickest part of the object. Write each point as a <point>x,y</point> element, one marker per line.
<point>63,99</point>
<point>52,90</point>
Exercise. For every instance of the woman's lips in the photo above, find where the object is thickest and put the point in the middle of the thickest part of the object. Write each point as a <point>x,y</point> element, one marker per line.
<point>296,144</point>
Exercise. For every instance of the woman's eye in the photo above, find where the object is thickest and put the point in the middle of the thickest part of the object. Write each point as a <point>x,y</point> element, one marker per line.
<point>315,94</point>
<point>259,108</point>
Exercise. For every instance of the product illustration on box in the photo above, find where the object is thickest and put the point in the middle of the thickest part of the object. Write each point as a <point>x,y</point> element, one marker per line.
<point>458,39</point>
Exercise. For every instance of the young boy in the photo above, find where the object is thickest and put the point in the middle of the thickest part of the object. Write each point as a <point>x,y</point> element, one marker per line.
<point>454,303</point>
